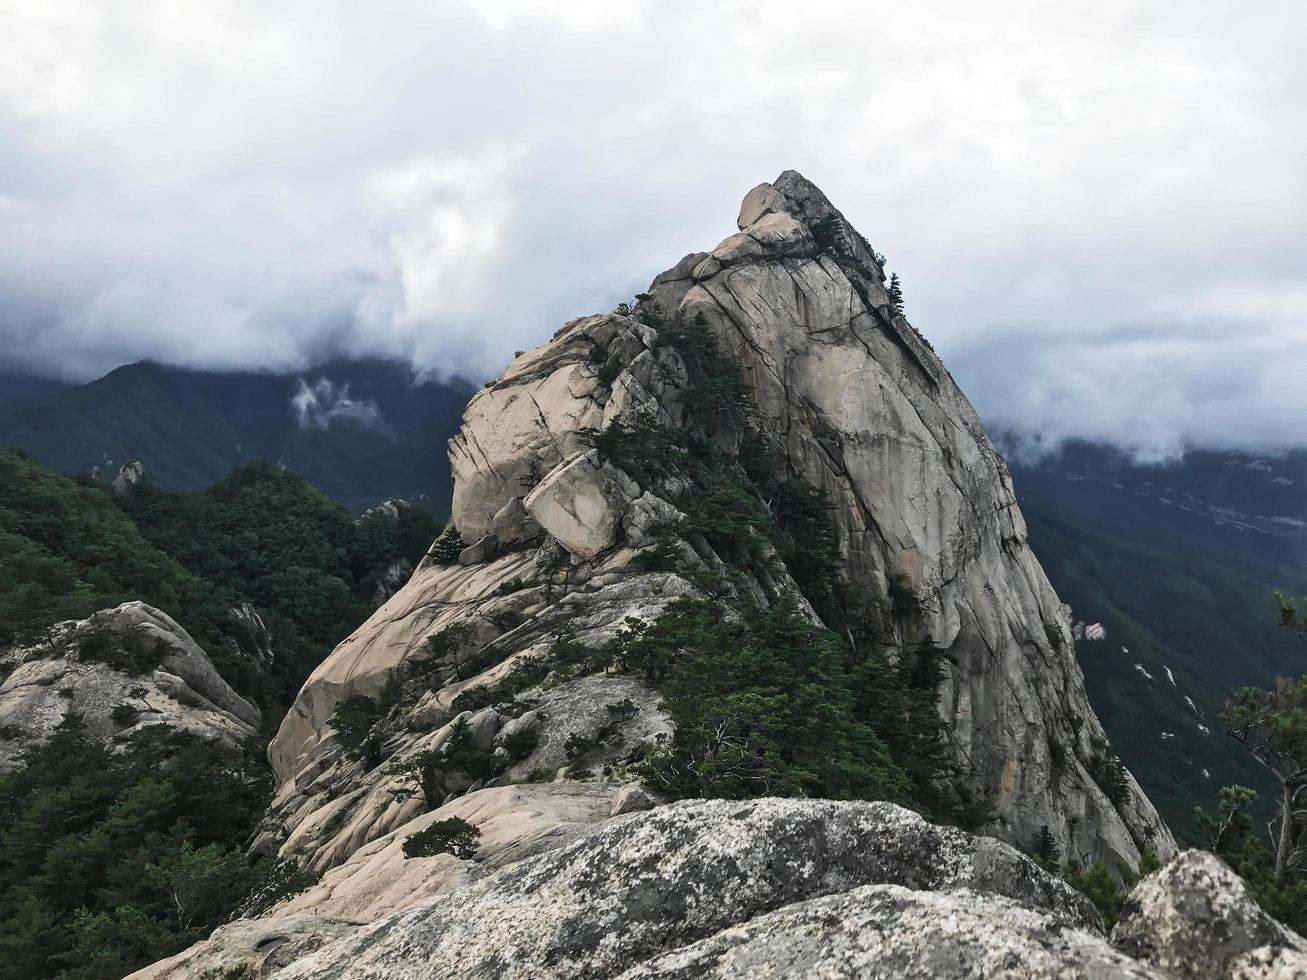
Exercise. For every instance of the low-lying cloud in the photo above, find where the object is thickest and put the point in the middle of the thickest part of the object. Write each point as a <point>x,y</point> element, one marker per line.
<point>321,403</point>
<point>1098,209</point>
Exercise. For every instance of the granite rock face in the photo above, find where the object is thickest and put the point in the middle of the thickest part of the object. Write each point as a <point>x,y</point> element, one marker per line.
<point>1194,919</point>
<point>654,882</point>
<point>933,544</point>
<point>376,883</point>
<point>83,668</point>
<point>888,932</point>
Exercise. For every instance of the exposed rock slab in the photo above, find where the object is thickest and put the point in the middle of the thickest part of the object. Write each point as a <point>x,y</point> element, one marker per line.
<point>180,690</point>
<point>1194,919</point>
<point>653,882</point>
<point>886,932</point>
<point>251,949</point>
<point>582,503</point>
<point>378,882</point>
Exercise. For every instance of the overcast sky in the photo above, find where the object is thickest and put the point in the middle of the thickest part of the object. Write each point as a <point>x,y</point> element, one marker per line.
<point>1099,210</point>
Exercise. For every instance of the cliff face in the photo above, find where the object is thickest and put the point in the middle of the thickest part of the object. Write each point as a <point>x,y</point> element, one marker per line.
<point>933,547</point>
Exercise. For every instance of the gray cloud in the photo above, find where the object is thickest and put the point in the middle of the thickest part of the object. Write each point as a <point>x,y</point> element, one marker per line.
<point>1097,209</point>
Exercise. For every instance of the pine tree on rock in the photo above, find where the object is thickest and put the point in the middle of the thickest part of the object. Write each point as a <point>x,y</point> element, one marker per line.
<point>1046,850</point>
<point>895,293</point>
<point>447,547</point>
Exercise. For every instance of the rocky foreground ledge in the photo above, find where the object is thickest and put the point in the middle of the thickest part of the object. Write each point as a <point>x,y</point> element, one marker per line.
<point>774,888</point>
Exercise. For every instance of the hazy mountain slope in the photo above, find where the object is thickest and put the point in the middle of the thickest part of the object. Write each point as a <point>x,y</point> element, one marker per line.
<point>1166,604</point>
<point>16,387</point>
<point>360,431</point>
<point>1243,504</point>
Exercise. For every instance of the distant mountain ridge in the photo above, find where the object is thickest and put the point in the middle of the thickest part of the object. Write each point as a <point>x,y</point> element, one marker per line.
<point>1241,503</point>
<point>361,431</point>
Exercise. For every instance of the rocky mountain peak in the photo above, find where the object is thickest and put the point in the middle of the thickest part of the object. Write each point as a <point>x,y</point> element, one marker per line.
<point>645,462</point>
<point>643,457</point>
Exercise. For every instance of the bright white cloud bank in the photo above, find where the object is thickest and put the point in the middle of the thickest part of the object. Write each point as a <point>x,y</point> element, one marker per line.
<point>1099,209</point>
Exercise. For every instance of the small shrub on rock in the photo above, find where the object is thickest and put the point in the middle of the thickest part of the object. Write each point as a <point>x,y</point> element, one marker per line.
<point>453,836</point>
<point>353,721</point>
<point>128,652</point>
<point>122,714</point>
<point>521,743</point>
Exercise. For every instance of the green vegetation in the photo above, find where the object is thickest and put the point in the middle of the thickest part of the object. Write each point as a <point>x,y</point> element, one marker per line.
<point>1108,890</point>
<point>353,721</point>
<point>1109,772</point>
<point>1168,605</point>
<point>895,293</point>
<point>453,836</point>
<point>1271,724</point>
<point>446,549</point>
<point>67,549</point>
<point>261,536</point>
<point>1046,851</point>
<point>772,706</point>
<point>109,861</point>
<point>1228,831</point>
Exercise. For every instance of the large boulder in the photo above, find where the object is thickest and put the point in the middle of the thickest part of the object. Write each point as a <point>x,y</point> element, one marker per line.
<point>581,502</point>
<point>887,932</point>
<point>1194,920</point>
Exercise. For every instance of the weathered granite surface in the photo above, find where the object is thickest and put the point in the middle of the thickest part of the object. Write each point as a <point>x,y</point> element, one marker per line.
<point>181,690</point>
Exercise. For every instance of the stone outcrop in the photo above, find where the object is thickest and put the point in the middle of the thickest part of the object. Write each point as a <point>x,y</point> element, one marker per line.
<point>128,476</point>
<point>1194,920</point>
<point>122,670</point>
<point>655,882</point>
<point>758,889</point>
<point>377,882</point>
<point>895,933</point>
<point>581,504</point>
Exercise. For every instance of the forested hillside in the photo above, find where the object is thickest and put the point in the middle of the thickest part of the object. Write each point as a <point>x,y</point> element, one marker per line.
<point>111,859</point>
<point>261,536</point>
